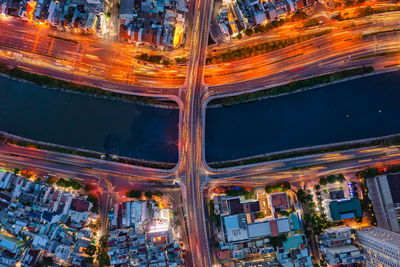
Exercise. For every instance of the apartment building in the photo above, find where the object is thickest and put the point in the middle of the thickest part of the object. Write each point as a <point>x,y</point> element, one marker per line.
<point>381,246</point>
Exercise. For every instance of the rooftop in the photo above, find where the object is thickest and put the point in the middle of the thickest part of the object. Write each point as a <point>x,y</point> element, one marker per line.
<point>293,242</point>
<point>342,249</point>
<point>236,228</point>
<point>279,201</point>
<point>345,209</point>
<point>394,186</point>
<point>381,235</point>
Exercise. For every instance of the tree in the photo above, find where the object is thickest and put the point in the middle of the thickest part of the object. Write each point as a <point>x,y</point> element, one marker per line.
<point>248,32</point>
<point>89,260</point>
<point>134,194</point>
<point>166,62</point>
<point>302,196</point>
<point>331,179</point>
<point>299,15</point>
<point>88,187</point>
<point>369,173</point>
<point>63,183</point>
<point>311,22</point>
<point>51,180</point>
<point>394,169</point>
<point>75,185</point>
<point>260,215</point>
<point>92,198</point>
<point>47,261</point>
<point>148,194</point>
<point>276,241</point>
<point>158,193</point>
<point>102,257</point>
<point>90,250</point>
<point>284,213</point>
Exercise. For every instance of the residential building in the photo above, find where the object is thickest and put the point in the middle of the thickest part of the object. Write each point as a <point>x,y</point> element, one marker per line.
<point>279,202</point>
<point>294,252</point>
<point>381,246</point>
<point>343,255</point>
<point>6,179</point>
<point>384,192</point>
<point>134,213</point>
<point>10,243</point>
<point>152,241</point>
<point>39,220</point>
<point>337,246</point>
<point>31,257</point>
<point>160,23</point>
<point>337,236</point>
<point>237,15</point>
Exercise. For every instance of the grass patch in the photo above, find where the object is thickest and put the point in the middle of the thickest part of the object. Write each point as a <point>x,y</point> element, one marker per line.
<point>378,55</point>
<point>379,32</point>
<point>63,39</point>
<point>291,87</point>
<point>392,65</point>
<point>364,12</point>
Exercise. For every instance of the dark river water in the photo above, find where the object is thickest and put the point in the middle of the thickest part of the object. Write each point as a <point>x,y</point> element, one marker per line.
<point>116,127</point>
<point>356,109</point>
<point>361,108</point>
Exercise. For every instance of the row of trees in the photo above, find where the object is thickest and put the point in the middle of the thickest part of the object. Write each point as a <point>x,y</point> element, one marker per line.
<point>373,172</point>
<point>304,196</point>
<point>239,191</point>
<point>181,60</point>
<point>68,183</point>
<point>249,51</point>
<point>364,11</point>
<point>277,187</point>
<point>156,59</point>
<point>148,194</point>
<point>331,179</point>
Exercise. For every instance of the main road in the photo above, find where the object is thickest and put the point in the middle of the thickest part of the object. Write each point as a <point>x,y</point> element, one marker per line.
<point>190,168</point>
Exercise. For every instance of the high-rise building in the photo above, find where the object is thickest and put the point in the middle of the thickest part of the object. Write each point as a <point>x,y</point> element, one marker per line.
<point>385,197</point>
<point>381,246</point>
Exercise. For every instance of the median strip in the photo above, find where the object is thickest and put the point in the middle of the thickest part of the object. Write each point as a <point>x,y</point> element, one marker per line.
<point>378,55</point>
<point>250,51</point>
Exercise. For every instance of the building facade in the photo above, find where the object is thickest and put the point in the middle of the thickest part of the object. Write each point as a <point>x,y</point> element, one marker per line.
<point>381,246</point>
<point>384,194</point>
<point>337,246</point>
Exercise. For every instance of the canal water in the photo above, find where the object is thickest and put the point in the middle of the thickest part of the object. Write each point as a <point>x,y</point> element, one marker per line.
<point>109,126</point>
<point>356,109</point>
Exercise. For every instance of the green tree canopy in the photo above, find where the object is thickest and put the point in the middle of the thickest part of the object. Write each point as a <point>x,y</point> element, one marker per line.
<point>134,194</point>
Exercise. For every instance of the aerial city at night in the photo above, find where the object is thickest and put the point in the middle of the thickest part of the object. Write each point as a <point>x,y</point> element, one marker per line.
<point>200,133</point>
